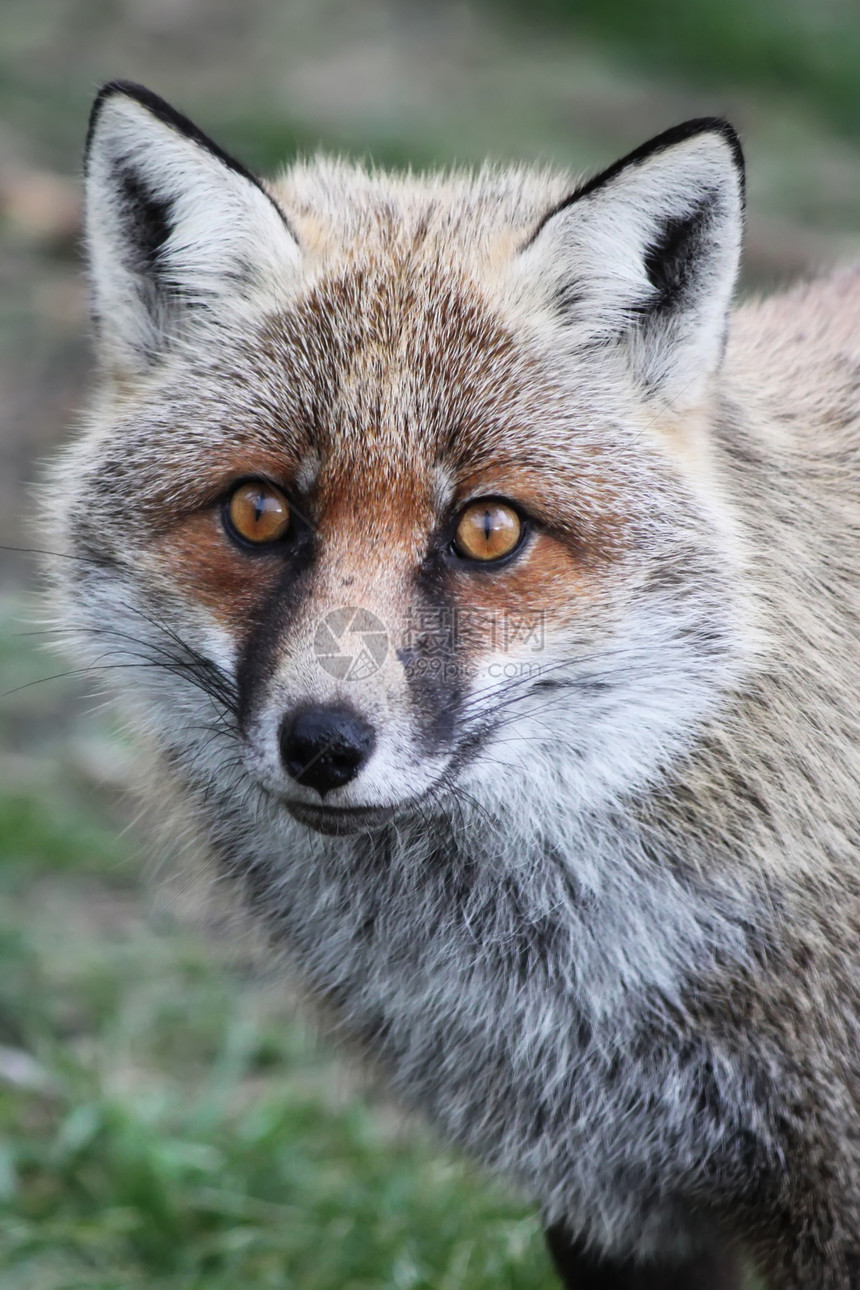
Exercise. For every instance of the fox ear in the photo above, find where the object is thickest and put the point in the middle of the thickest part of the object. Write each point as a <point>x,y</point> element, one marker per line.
<point>178,233</point>
<point>643,258</point>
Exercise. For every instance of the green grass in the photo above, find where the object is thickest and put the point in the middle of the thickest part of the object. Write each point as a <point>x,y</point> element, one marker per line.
<point>164,1120</point>
<point>183,1132</point>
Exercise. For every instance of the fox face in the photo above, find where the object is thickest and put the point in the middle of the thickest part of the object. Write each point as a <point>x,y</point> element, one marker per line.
<point>397,491</point>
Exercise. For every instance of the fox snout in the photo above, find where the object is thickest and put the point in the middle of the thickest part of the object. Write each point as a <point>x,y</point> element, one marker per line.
<point>325,747</point>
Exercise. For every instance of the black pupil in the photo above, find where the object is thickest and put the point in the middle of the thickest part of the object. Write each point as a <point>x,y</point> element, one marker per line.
<point>488,528</point>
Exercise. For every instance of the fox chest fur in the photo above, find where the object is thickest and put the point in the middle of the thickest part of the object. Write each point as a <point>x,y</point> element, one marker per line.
<point>488,601</point>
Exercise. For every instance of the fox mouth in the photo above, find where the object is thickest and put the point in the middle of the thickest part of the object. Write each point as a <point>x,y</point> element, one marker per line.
<point>339,820</point>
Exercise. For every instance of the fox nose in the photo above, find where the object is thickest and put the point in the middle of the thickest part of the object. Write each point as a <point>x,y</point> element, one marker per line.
<point>325,747</point>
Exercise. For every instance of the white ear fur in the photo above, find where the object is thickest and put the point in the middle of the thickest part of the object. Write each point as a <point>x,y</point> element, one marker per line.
<point>177,232</point>
<point>643,258</point>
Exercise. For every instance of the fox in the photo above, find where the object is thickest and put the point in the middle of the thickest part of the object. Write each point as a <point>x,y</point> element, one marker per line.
<point>483,586</point>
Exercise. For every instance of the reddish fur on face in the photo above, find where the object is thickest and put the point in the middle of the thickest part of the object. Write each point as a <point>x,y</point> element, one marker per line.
<point>196,559</point>
<point>362,520</point>
<point>547,580</point>
<point>582,505</point>
<point>387,375</point>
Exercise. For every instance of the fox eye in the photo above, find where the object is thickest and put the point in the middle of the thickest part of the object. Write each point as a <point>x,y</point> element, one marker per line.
<point>488,530</point>
<point>256,512</point>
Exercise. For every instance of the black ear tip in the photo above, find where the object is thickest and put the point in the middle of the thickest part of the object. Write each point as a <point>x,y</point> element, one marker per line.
<point>131,89</point>
<point>660,143</point>
<point>161,110</point>
<point>712,125</point>
<point>127,89</point>
<point>689,130</point>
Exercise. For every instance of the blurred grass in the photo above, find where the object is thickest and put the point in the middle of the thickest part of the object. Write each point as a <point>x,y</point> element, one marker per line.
<point>180,1136</point>
<point>790,47</point>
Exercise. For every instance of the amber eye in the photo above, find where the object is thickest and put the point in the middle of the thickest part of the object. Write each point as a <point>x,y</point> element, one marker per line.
<point>257,513</point>
<point>488,530</point>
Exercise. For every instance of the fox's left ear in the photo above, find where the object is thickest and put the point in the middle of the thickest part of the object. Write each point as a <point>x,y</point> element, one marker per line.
<point>643,258</point>
<point>180,236</point>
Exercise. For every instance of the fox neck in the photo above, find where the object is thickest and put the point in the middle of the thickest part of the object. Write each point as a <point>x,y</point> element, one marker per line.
<point>457,946</point>
<point>597,901</point>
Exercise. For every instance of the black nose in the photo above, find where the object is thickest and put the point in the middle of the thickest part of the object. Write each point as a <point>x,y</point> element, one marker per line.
<point>325,747</point>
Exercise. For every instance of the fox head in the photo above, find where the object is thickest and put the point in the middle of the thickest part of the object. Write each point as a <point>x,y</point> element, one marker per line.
<point>397,493</point>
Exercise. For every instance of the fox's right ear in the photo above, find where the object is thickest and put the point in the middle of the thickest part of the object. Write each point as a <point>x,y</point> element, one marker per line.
<point>179,235</point>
